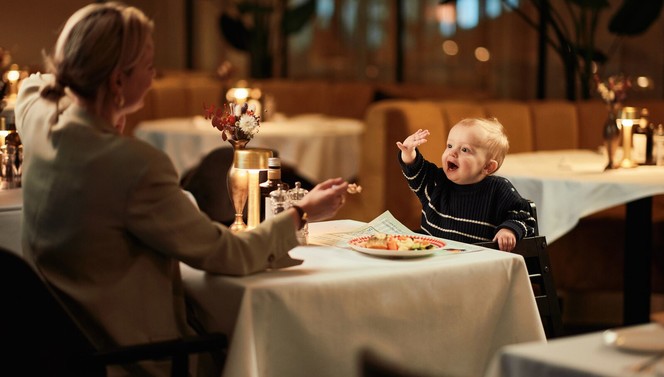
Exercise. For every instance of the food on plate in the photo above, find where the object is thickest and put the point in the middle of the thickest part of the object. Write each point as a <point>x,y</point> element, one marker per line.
<point>396,242</point>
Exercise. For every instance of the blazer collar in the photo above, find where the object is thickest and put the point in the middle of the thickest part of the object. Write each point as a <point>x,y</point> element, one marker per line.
<point>78,114</point>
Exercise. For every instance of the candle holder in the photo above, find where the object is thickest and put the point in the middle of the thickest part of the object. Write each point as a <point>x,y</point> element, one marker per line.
<point>252,161</point>
<point>628,117</point>
<point>242,93</point>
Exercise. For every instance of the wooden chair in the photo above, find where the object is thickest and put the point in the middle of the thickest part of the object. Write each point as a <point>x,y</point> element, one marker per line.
<point>533,250</point>
<point>41,339</point>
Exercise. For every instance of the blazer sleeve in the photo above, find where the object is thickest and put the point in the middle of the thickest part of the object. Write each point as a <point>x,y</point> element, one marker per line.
<point>163,217</point>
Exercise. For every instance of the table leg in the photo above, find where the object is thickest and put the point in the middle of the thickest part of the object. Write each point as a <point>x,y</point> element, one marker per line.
<point>637,262</point>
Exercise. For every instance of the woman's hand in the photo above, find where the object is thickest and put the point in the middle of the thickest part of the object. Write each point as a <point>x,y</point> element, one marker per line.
<point>324,200</point>
<point>408,146</point>
<point>506,239</point>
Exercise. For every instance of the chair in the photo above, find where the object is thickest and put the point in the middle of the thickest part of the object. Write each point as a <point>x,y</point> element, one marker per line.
<point>372,364</point>
<point>41,339</point>
<point>533,250</point>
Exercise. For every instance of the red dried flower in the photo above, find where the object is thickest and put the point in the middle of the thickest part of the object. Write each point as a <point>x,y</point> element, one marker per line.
<point>236,122</point>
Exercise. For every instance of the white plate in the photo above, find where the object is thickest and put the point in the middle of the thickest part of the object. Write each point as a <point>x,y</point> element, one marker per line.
<point>437,245</point>
<point>636,339</point>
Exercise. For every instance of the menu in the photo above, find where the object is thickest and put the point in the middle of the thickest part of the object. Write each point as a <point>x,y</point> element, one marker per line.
<point>385,223</point>
<point>388,224</point>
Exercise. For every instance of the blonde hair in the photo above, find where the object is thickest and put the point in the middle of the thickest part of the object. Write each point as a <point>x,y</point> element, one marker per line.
<point>496,141</point>
<point>94,42</point>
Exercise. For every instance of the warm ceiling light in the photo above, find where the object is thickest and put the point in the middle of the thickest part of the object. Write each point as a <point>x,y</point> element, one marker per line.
<point>482,54</point>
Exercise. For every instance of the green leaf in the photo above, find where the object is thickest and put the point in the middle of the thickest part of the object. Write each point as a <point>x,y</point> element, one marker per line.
<point>635,17</point>
<point>295,19</point>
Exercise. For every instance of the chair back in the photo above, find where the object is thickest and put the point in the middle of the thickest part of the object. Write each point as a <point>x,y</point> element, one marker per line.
<point>39,336</point>
<point>207,183</point>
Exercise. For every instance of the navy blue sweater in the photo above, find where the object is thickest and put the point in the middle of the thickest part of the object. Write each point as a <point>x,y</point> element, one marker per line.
<point>466,213</point>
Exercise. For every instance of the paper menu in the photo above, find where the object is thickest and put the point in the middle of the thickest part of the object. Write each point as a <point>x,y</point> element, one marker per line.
<point>385,223</point>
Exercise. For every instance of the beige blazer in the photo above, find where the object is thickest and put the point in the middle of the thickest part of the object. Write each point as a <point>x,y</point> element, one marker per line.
<point>106,223</point>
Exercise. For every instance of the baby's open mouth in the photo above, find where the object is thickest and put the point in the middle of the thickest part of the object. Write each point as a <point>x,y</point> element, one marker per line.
<point>452,166</point>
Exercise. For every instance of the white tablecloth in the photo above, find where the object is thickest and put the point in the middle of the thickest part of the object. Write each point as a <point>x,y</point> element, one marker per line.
<point>318,147</point>
<point>445,314</point>
<point>570,184</point>
<point>577,356</point>
<point>11,210</point>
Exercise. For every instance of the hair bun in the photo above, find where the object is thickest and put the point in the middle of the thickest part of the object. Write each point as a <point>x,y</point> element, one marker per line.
<point>53,92</point>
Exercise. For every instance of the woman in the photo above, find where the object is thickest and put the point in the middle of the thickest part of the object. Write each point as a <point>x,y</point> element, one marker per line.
<point>105,221</point>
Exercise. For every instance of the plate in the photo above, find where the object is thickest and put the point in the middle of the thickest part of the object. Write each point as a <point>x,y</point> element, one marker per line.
<point>437,245</point>
<point>636,339</point>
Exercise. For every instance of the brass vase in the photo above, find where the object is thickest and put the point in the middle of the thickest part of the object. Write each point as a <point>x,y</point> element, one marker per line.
<point>238,188</point>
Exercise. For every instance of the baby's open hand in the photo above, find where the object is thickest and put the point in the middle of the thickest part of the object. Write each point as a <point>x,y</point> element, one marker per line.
<point>506,239</point>
<point>413,141</point>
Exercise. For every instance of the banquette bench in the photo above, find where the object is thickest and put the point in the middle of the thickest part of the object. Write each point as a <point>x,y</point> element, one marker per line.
<point>183,94</point>
<point>530,125</point>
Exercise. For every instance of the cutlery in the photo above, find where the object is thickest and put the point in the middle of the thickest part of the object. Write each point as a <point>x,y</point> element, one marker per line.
<point>457,249</point>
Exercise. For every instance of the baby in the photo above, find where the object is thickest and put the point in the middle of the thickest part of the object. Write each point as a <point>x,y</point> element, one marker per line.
<point>464,201</point>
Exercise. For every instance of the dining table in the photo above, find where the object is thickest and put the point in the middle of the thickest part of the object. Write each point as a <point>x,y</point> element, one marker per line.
<point>636,351</point>
<point>317,146</point>
<point>567,185</point>
<point>11,211</point>
<point>445,313</point>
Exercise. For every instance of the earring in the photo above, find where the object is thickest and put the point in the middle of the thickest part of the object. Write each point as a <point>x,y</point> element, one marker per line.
<point>119,100</point>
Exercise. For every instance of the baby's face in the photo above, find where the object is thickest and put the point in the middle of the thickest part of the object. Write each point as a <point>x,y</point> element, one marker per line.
<point>465,159</point>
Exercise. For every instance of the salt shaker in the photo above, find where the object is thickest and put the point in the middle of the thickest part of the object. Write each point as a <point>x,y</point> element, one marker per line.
<point>9,171</point>
<point>279,200</point>
<point>658,145</point>
<point>294,196</point>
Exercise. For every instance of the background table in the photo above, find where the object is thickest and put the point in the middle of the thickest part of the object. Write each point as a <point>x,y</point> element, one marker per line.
<point>577,356</point>
<point>445,314</point>
<point>570,184</point>
<point>11,210</point>
<point>317,146</point>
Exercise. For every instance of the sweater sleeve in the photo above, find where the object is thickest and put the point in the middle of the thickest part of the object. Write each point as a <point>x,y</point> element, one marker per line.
<point>517,212</point>
<point>422,176</point>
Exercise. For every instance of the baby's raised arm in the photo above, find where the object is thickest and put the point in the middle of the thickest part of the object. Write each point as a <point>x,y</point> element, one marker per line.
<point>408,146</point>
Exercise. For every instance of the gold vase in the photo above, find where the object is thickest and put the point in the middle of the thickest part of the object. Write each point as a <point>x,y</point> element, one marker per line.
<point>238,188</point>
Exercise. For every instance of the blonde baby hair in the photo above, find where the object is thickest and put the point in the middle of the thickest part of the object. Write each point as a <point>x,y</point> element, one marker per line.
<point>496,141</point>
